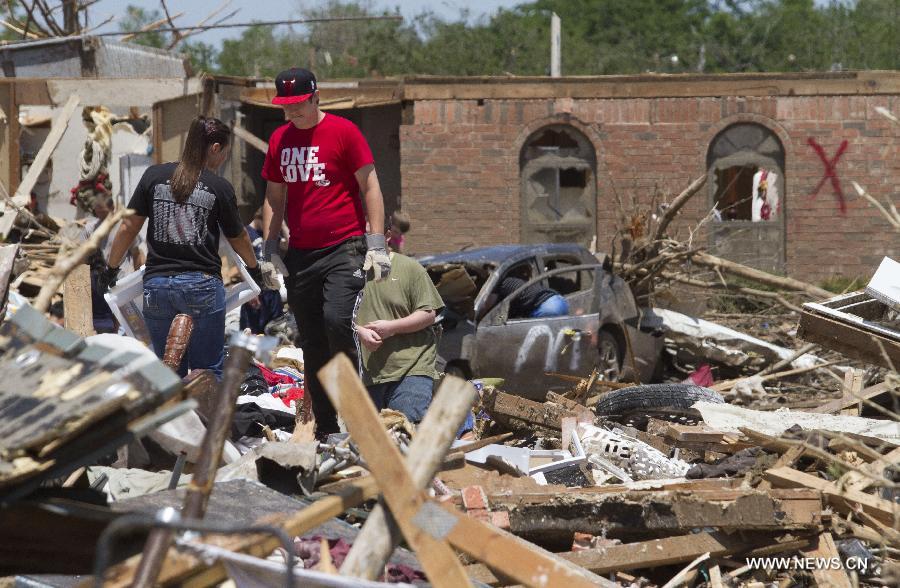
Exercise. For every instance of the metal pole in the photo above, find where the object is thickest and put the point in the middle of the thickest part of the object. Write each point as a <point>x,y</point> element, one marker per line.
<point>240,352</point>
<point>555,46</point>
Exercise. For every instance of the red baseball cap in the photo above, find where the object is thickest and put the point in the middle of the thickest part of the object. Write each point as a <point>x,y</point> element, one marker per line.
<point>294,85</point>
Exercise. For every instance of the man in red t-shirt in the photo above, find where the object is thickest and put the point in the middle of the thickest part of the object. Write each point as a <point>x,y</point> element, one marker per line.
<point>319,169</point>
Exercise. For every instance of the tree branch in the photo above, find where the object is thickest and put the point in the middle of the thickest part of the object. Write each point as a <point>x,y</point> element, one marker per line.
<point>65,265</point>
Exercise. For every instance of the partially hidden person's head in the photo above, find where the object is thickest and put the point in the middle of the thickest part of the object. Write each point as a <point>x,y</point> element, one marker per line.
<point>400,222</point>
<point>297,93</point>
<point>103,205</point>
<point>206,147</point>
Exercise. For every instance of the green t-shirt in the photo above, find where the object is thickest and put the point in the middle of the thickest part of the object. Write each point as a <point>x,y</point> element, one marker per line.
<point>406,290</point>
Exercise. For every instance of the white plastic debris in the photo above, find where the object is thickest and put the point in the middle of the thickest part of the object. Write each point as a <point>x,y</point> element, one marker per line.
<point>885,284</point>
<point>727,418</point>
<point>637,459</point>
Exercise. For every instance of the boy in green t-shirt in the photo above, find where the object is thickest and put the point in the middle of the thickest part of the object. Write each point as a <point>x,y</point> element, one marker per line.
<point>395,325</point>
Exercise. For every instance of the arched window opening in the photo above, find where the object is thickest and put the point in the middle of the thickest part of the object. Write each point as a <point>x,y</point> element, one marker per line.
<point>559,194</point>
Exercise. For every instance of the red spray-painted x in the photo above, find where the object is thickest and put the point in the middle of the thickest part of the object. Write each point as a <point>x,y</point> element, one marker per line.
<point>830,172</point>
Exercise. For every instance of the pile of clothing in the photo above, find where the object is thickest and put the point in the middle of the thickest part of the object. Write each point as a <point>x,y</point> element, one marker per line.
<point>269,399</point>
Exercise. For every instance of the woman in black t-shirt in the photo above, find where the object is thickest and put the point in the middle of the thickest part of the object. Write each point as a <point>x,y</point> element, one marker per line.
<point>187,205</point>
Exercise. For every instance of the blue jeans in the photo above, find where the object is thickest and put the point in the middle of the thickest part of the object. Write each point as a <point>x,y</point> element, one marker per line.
<point>203,298</point>
<point>411,396</point>
<point>556,305</point>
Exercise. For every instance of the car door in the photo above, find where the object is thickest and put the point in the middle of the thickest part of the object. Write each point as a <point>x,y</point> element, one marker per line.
<point>523,351</point>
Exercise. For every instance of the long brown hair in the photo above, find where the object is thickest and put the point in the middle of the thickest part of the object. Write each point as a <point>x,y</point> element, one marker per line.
<point>202,133</point>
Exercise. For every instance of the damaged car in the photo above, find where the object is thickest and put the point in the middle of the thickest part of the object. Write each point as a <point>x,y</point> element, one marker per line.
<point>486,334</point>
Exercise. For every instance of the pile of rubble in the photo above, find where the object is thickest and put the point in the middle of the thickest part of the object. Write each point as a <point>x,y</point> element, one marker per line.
<point>608,484</point>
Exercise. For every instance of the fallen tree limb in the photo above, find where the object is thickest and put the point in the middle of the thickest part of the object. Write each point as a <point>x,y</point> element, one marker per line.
<point>738,289</point>
<point>738,269</point>
<point>676,205</point>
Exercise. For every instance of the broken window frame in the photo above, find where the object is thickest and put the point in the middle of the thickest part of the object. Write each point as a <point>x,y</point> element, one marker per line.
<point>534,159</point>
<point>736,146</point>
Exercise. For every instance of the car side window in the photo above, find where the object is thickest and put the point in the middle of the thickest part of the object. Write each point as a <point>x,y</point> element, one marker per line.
<point>568,282</point>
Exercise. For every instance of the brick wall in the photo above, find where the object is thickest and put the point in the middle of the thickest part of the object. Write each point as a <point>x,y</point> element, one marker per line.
<point>460,168</point>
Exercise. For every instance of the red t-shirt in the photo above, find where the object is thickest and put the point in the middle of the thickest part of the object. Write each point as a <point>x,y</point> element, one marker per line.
<point>318,165</point>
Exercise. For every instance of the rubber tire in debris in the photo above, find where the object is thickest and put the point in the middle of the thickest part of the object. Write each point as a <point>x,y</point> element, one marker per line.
<point>626,400</point>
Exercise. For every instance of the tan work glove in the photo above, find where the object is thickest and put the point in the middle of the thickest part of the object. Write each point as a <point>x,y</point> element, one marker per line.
<point>377,257</point>
<point>272,254</point>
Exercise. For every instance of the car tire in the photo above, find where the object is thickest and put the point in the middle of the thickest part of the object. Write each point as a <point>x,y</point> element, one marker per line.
<point>609,360</point>
<point>653,396</point>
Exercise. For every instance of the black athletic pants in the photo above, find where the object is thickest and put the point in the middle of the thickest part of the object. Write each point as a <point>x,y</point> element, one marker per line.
<point>323,290</point>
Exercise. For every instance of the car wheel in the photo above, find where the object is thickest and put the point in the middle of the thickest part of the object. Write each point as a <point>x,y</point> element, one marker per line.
<point>655,396</point>
<point>609,362</point>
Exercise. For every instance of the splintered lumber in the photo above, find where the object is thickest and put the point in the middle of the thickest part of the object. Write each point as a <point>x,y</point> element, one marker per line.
<point>185,569</point>
<point>853,381</point>
<point>658,552</point>
<point>824,549</point>
<point>77,310</point>
<point>22,195</point>
<point>515,412</point>
<point>846,401</point>
<point>251,139</point>
<point>845,500</point>
<point>380,535</point>
<point>385,462</point>
<point>514,557</point>
<point>419,518</point>
<point>849,339</point>
<point>621,514</point>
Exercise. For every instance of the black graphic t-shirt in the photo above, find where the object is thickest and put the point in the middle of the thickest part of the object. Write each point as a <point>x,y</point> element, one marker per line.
<point>185,237</point>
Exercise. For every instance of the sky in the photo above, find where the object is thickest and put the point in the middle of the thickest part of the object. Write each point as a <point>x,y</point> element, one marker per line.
<point>197,10</point>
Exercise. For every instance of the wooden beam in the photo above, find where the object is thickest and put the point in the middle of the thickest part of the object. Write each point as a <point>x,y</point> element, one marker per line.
<point>653,553</point>
<point>181,568</point>
<point>511,556</point>
<point>835,406</point>
<point>824,549</point>
<point>379,536</point>
<point>620,515</point>
<point>385,462</point>
<point>844,500</point>
<point>250,139</point>
<point>849,340</point>
<point>853,380</point>
<point>650,86</point>
<point>22,196</point>
<point>77,304</point>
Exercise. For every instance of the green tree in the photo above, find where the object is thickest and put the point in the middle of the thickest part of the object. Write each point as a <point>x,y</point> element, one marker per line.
<point>137,18</point>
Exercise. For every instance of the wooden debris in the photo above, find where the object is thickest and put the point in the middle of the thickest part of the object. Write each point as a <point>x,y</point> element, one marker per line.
<point>407,503</point>
<point>78,314</point>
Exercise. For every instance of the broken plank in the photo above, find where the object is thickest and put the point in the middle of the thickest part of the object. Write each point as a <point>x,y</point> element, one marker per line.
<point>409,506</point>
<point>184,569</point>
<point>22,195</point>
<point>824,549</point>
<point>835,406</point>
<point>511,411</point>
<point>77,303</point>
<point>849,340</point>
<point>853,380</point>
<point>844,500</point>
<point>380,535</point>
<point>628,513</point>
<point>251,139</point>
<point>513,557</point>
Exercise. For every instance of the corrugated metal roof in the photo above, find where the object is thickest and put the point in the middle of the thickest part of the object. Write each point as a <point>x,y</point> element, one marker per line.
<point>86,56</point>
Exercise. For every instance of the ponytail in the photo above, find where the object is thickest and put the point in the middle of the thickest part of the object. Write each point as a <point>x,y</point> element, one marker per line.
<point>202,133</point>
